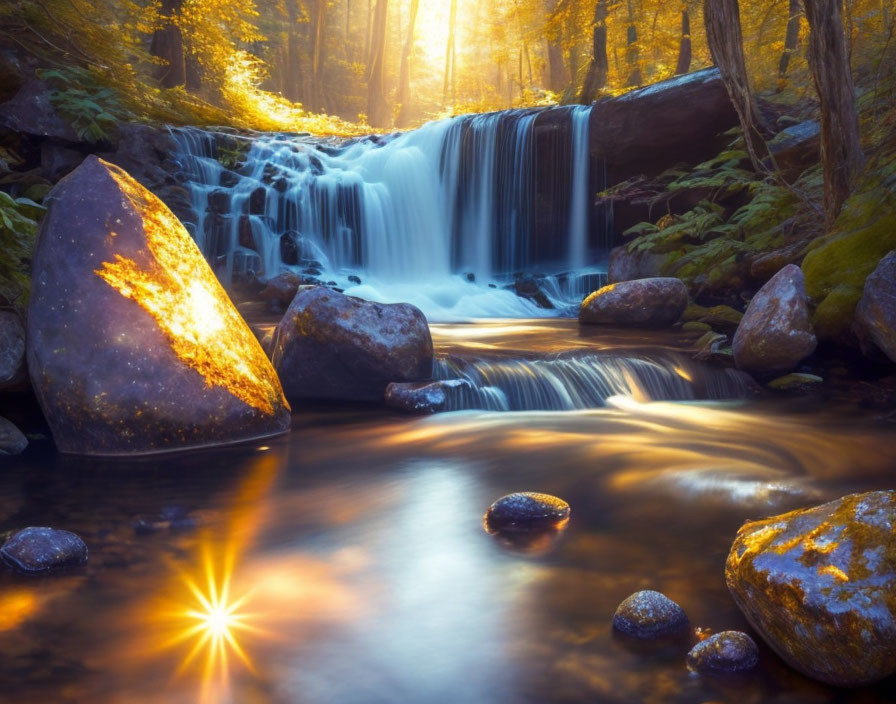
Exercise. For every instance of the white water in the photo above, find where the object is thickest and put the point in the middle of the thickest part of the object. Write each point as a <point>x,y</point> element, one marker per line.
<point>441,217</point>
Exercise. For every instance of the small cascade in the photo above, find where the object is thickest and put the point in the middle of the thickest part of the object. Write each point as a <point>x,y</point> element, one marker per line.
<point>446,217</point>
<point>581,381</point>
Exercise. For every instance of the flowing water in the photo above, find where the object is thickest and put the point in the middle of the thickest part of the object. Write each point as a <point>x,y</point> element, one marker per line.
<point>352,555</point>
<point>444,217</point>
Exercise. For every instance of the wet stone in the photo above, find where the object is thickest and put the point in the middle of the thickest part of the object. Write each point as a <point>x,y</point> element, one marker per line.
<point>819,585</point>
<point>728,651</point>
<point>647,303</point>
<point>527,510</point>
<point>649,615</point>
<point>38,549</point>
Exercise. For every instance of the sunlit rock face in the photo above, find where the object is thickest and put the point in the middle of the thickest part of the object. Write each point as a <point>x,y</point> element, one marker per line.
<point>133,346</point>
<point>332,346</point>
<point>876,312</point>
<point>775,333</point>
<point>819,585</point>
<point>647,303</point>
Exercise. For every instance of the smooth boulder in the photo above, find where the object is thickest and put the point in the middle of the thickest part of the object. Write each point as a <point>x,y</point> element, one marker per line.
<point>648,303</point>
<point>39,549</point>
<point>776,333</point>
<point>13,372</point>
<point>650,615</point>
<point>335,347</point>
<point>876,312</point>
<point>133,346</point>
<point>527,511</point>
<point>725,652</point>
<point>819,585</point>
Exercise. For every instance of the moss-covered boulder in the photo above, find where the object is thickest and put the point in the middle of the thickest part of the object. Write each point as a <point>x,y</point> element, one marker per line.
<point>837,265</point>
<point>819,585</point>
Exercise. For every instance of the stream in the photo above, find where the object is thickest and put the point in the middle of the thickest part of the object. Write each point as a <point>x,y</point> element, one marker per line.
<point>347,562</point>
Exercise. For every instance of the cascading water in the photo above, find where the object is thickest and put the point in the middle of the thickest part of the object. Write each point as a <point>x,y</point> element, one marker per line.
<point>446,217</point>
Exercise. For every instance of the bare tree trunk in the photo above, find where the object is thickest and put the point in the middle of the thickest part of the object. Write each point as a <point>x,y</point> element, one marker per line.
<point>723,33</point>
<point>318,16</point>
<point>599,68</point>
<point>631,53</point>
<point>791,38</point>
<point>377,109</point>
<point>404,80</point>
<point>557,77</point>
<point>345,37</point>
<point>841,149</point>
<point>684,46</point>
<point>369,31</point>
<point>168,44</point>
<point>449,54</point>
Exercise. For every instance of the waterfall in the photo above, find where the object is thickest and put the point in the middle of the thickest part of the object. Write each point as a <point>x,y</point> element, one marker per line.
<point>447,217</point>
<point>581,381</point>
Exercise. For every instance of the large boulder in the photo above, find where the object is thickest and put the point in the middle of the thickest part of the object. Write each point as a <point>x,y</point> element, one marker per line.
<point>775,333</point>
<point>648,303</point>
<point>876,312</point>
<point>332,346</point>
<point>133,346</point>
<point>819,585</point>
<point>624,265</point>
<point>31,111</point>
<point>13,373</point>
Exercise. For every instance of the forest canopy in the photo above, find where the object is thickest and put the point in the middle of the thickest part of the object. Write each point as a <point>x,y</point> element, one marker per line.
<point>342,66</point>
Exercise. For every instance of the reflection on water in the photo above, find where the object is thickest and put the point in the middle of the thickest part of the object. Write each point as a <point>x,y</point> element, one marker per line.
<point>347,562</point>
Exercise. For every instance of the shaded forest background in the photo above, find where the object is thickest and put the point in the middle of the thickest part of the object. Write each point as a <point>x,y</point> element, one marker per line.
<point>342,66</point>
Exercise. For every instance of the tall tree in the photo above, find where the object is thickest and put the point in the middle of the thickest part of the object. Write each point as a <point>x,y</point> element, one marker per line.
<point>791,37</point>
<point>723,33</point>
<point>377,109</point>
<point>632,55</point>
<point>168,44</point>
<point>318,18</point>
<point>599,68</point>
<point>404,78</point>
<point>449,54</point>
<point>841,149</point>
<point>684,45</point>
<point>557,77</point>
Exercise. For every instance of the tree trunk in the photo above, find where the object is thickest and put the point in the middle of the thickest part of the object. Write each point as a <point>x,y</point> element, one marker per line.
<point>318,17</point>
<point>723,34</point>
<point>168,44</point>
<point>449,54</point>
<point>556,77</point>
<point>377,109</point>
<point>599,68</point>
<point>684,47</point>
<point>791,38</point>
<point>404,80</point>
<point>841,149</point>
<point>631,53</point>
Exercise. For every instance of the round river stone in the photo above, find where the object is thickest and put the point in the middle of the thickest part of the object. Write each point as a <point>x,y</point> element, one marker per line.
<point>527,510</point>
<point>728,651</point>
<point>39,549</point>
<point>648,615</point>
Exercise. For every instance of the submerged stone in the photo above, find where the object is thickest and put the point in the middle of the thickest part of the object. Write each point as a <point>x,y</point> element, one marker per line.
<point>527,510</point>
<point>819,585</point>
<point>332,346</point>
<point>133,346</point>
<point>648,303</point>
<point>12,441</point>
<point>650,615</point>
<point>775,333</point>
<point>421,397</point>
<point>728,651</point>
<point>41,549</point>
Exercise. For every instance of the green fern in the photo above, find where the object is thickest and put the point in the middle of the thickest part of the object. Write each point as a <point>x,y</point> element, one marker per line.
<point>19,219</point>
<point>92,109</point>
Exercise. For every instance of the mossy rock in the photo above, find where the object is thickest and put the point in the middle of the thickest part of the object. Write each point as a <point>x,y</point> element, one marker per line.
<point>838,264</point>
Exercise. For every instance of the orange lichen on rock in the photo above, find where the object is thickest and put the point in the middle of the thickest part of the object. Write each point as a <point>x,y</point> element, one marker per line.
<point>181,293</point>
